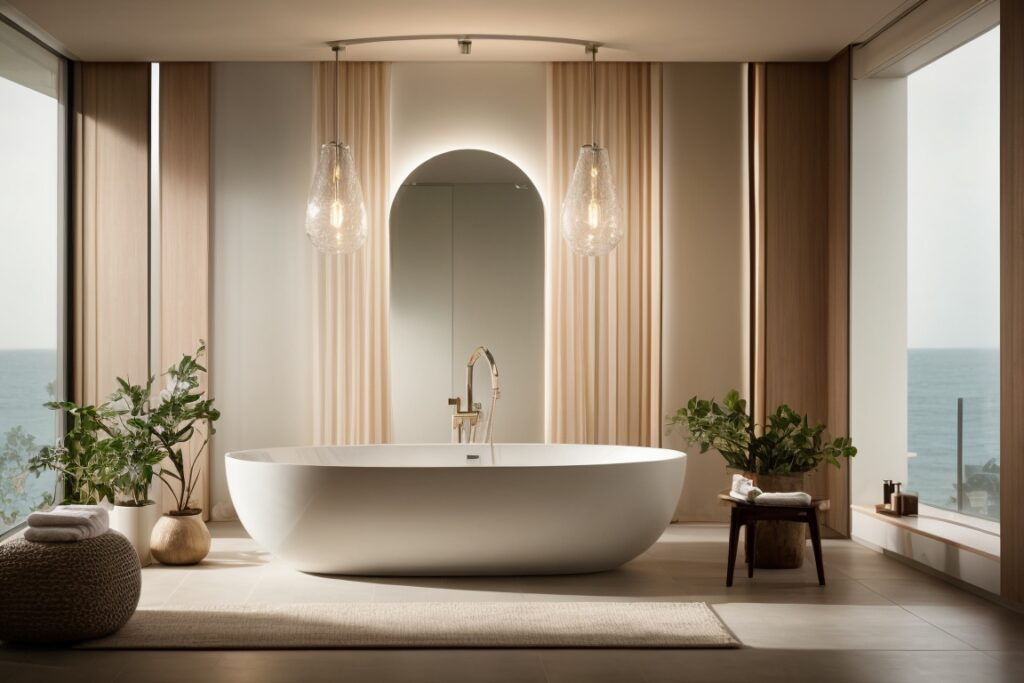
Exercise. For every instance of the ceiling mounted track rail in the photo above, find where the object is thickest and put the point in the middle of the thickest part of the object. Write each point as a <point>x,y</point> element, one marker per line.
<point>464,39</point>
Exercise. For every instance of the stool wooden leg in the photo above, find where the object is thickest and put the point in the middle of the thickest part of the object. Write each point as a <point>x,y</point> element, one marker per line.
<point>816,544</point>
<point>734,540</point>
<point>751,545</point>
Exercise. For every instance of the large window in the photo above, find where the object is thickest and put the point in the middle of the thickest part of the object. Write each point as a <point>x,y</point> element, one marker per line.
<point>32,252</point>
<point>953,279</point>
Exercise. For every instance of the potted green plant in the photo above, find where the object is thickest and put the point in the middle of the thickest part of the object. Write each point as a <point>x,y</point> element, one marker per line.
<point>82,458</point>
<point>112,452</point>
<point>776,456</point>
<point>108,454</point>
<point>136,460</point>
<point>183,416</point>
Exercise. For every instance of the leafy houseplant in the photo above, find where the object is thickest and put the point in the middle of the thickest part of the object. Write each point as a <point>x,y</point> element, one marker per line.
<point>181,537</point>
<point>136,455</point>
<point>788,444</point>
<point>776,456</point>
<point>108,453</point>
<point>113,451</point>
<point>85,457</point>
<point>182,413</point>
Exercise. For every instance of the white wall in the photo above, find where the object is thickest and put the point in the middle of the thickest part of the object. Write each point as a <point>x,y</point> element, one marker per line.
<point>705,312</point>
<point>261,321</point>
<point>497,107</point>
<point>878,287</point>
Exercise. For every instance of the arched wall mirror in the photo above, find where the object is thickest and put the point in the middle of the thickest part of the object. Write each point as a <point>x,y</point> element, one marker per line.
<point>467,269</point>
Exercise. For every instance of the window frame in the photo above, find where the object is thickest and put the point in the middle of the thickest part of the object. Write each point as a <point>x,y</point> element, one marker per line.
<point>64,379</point>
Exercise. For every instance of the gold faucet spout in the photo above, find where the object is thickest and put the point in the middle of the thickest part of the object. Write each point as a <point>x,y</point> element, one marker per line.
<point>464,422</point>
<point>473,358</point>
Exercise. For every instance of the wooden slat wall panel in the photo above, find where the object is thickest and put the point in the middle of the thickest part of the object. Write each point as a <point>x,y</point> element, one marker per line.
<point>756,115</point>
<point>185,226</point>
<point>838,331</point>
<point>796,241</point>
<point>1012,297</point>
<point>111,227</point>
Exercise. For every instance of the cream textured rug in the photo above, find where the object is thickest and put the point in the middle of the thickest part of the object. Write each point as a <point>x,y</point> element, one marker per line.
<point>424,625</point>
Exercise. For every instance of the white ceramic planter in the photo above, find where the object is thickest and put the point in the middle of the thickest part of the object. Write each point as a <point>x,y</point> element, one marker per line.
<point>136,523</point>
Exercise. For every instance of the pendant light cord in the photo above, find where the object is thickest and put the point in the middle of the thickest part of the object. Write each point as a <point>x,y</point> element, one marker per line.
<point>593,94</point>
<point>334,101</point>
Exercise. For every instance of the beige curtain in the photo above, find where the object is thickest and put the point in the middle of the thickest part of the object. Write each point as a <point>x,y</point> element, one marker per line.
<point>352,400</point>
<point>603,327</point>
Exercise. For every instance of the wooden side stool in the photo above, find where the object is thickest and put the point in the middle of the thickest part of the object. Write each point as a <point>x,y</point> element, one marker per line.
<point>749,514</point>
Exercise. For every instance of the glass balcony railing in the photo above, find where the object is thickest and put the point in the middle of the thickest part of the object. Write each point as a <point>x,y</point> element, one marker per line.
<point>977,483</point>
<point>956,463</point>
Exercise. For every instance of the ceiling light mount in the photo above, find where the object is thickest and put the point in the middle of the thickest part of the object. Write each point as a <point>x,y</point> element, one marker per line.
<point>465,40</point>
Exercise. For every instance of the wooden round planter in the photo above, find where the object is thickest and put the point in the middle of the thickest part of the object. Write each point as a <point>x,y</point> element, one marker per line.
<point>180,538</point>
<point>779,545</point>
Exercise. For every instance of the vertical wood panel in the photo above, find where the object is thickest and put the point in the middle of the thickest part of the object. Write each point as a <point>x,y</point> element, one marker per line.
<point>1012,297</point>
<point>796,242</point>
<point>111,228</point>
<point>185,227</point>
<point>756,132</point>
<point>838,331</point>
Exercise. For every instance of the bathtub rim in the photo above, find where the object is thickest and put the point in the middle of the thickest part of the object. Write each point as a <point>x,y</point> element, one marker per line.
<point>668,455</point>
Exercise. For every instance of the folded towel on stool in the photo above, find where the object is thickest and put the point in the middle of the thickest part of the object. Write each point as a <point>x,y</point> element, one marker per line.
<point>743,489</point>
<point>83,521</point>
<point>58,534</point>
<point>794,498</point>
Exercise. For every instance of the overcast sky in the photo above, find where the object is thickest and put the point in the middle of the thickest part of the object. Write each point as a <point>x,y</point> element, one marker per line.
<point>953,199</point>
<point>28,218</point>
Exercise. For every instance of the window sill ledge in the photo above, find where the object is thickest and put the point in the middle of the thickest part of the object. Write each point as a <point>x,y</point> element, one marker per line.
<point>977,541</point>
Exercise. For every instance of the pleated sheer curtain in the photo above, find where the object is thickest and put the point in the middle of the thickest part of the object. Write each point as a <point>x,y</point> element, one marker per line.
<point>351,375</point>
<point>603,355</point>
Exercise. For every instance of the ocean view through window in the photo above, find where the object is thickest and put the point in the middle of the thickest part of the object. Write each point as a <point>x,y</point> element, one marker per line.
<point>32,239</point>
<point>953,279</point>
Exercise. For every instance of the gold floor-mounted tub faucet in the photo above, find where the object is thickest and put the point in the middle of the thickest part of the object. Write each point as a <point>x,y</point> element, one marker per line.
<point>465,422</point>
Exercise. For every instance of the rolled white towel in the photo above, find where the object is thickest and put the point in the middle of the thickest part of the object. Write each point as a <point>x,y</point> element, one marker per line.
<point>58,534</point>
<point>92,518</point>
<point>794,498</point>
<point>743,489</point>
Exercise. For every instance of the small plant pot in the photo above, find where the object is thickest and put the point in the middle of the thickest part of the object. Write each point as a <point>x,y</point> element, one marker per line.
<point>180,538</point>
<point>136,523</point>
<point>779,545</point>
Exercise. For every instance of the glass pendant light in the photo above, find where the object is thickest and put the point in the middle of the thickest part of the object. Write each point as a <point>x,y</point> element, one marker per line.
<point>336,214</point>
<point>591,220</point>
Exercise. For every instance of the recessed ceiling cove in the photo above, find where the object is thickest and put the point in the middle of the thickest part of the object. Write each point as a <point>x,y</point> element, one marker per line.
<point>295,30</point>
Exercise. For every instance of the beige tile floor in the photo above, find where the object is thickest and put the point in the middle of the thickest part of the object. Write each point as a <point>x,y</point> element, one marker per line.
<point>876,620</point>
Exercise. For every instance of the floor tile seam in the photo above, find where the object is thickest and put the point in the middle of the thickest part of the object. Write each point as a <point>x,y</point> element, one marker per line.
<point>177,587</point>
<point>936,626</point>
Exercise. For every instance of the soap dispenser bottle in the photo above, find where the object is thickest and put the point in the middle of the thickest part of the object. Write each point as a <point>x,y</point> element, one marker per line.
<point>887,489</point>
<point>897,499</point>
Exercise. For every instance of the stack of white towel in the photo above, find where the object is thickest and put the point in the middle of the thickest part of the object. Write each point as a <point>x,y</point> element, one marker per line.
<point>743,489</point>
<point>66,523</point>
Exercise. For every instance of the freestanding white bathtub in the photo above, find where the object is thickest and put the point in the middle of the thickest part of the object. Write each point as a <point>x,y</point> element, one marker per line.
<point>458,509</point>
